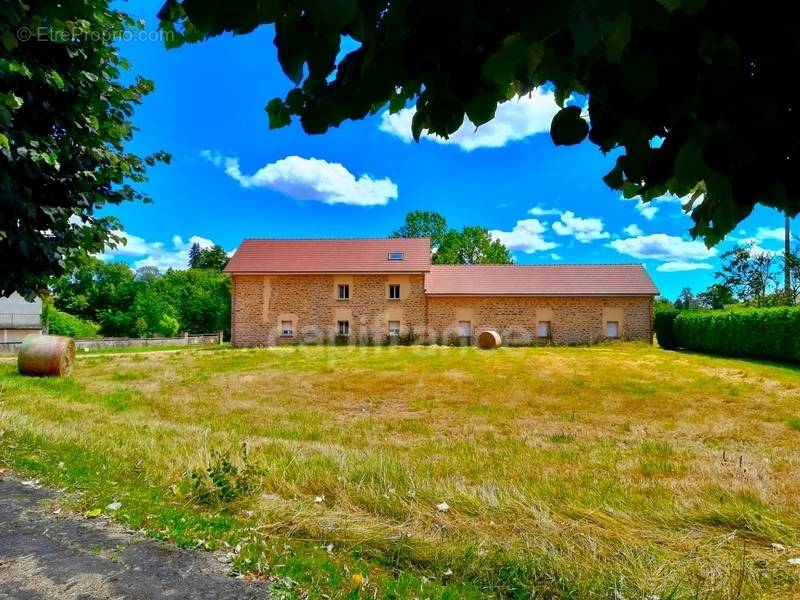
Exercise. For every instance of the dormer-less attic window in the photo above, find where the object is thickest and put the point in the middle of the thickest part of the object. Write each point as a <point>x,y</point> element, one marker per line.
<point>397,256</point>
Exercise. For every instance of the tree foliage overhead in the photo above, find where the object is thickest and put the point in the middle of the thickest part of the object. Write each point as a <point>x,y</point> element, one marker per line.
<point>65,118</point>
<point>695,95</point>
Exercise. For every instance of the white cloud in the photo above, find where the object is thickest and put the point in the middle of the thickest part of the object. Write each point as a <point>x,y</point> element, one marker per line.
<point>633,230</point>
<point>768,233</point>
<point>526,236</point>
<point>514,120</point>
<point>539,211</point>
<point>648,211</point>
<point>156,254</point>
<point>310,179</point>
<point>680,265</point>
<point>556,256</point>
<point>582,229</point>
<point>663,247</point>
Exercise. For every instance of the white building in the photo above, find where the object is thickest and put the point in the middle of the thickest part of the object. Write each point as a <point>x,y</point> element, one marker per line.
<point>19,318</point>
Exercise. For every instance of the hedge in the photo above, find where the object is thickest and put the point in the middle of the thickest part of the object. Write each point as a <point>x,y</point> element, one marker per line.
<point>663,323</point>
<point>61,323</point>
<point>752,332</point>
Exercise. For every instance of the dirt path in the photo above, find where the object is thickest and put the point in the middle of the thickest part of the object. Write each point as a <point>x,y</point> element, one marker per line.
<point>44,556</point>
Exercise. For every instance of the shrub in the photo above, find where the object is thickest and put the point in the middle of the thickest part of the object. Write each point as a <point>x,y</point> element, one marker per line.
<point>223,482</point>
<point>664,325</point>
<point>61,323</point>
<point>752,332</point>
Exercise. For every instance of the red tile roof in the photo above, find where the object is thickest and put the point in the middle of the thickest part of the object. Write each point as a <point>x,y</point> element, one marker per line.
<point>539,280</point>
<point>330,256</point>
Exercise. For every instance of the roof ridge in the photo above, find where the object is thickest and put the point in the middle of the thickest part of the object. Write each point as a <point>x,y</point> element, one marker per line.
<point>628,264</point>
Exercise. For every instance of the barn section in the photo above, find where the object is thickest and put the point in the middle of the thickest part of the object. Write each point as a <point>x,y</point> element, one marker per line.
<point>563,304</point>
<point>371,290</point>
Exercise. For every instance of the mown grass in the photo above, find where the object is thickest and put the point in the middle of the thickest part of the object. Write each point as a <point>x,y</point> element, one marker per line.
<point>612,471</point>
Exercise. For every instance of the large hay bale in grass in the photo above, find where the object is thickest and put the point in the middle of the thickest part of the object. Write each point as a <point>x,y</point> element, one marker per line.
<point>489,340</point>
<point>46,355</point>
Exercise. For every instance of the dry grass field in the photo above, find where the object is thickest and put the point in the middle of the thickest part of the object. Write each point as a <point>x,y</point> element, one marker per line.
<point>617,471</point>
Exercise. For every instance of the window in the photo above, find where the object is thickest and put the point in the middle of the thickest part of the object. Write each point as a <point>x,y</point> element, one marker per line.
<point>394,328</point>
<point>612,329</point>
<point>396,256</point>
<point>543,329</point>
<point>287,328</point>
<point>344,291</point>
<point>343,327</point>
<point>394,291</point>
<point>464,328</point>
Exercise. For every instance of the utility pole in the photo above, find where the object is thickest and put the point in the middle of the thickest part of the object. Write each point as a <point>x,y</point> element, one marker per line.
<point>787,262</point>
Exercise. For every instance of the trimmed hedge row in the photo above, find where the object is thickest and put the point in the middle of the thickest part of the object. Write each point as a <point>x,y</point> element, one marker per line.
<point>664,326</point>
<point>752,332</point>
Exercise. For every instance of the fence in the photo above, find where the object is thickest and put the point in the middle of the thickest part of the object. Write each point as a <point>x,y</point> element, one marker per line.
<point>95,343</point>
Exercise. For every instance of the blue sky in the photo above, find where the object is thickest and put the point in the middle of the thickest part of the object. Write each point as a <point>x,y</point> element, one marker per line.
<point>231,177</point>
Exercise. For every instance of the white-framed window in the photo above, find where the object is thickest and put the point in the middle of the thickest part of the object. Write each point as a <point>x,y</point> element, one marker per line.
<point>394,291</point>
<point>344,291</point>
<point>464,328</point>
<point>287,328</point>
<point>343,327</point>
<point>394,328</point>
<point>612,329</point>
<point>543,329</point>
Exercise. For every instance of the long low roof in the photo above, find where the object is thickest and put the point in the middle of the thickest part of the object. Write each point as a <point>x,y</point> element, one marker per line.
<point>539,280</point>
<point>385,255</point>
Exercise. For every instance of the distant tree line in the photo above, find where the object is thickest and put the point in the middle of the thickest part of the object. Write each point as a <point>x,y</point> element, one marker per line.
<point>147,302</point>
<point>748,276</point>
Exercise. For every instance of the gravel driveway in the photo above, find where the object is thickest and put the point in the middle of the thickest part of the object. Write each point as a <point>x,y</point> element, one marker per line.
<point>44,556</point>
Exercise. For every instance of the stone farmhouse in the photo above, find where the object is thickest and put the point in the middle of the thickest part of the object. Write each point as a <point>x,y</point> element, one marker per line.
<point>377,290</point>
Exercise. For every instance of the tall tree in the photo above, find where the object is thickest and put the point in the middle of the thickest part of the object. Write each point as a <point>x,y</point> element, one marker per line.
<point>194,252</point>
<point>423,223</point>
<point>214,258</point>
<point>716,297</point>
<point>65,119</point>
<point>748,272</point>
<point>471,246</point>
<point>696,97</point>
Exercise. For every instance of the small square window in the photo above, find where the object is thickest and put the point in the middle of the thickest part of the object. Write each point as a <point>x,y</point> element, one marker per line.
<point>394,291</point>
<point>344,291</point>
<point>287,328</point>
<point>612,329</point>
<point>464,328</point>
<point>543,329</point>
<point>394,328</point>
<point>343,327</point>
<point>396,256</point>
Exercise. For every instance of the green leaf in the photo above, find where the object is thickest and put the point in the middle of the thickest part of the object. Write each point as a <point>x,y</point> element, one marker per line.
<point>618,37</point>
<point>568,127</point>
<point>481,109</point>
<point>9,41</point>
<point>278,114</point>
<point>94,513</point>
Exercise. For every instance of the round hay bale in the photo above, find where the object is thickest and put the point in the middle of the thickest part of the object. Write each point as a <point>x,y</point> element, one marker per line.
<point>44,355</point>
<point>489,340</point>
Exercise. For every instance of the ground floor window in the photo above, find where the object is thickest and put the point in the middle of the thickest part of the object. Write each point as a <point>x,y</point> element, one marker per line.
<point>612,329</point>
<point>287,328</point>
<point>543,329</point>
<point>343,327</point>
<point>394,328</point>
<point>464,328</point>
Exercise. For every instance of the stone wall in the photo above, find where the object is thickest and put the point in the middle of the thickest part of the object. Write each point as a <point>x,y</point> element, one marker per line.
<point>262,304</point>
<point>577,320</point>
